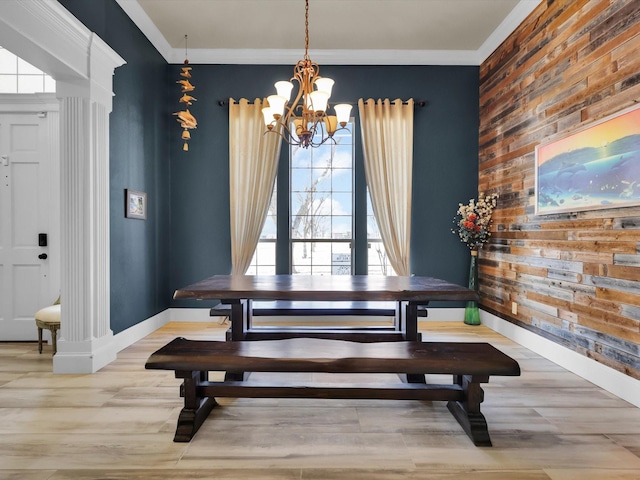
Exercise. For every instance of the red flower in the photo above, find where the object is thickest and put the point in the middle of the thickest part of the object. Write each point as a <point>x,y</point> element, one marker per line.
<point>477,228</point>
<point>468,224</point>
<point>472,217</point>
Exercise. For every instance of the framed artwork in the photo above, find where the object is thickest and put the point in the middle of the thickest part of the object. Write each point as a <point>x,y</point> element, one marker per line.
<point>135,204</point>
<point>594,168</point>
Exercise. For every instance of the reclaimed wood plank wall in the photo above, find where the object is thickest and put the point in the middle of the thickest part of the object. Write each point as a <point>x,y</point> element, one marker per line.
<point>575,277</point>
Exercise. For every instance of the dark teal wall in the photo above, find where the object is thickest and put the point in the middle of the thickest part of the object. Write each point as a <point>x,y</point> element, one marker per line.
<point>139,160</point>
<point>186,235</point>
<point>445,159</point>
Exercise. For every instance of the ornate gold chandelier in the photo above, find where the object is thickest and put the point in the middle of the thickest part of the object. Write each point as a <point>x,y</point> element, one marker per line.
<point>305,122</point>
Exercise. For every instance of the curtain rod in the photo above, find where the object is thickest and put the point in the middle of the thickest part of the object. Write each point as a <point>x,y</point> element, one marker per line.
<point>417,103</point>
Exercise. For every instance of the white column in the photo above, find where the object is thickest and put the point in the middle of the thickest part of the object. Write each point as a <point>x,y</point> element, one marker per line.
<point>86,340</point>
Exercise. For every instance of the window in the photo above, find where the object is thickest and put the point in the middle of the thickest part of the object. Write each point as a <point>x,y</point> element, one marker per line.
<point>321,208</point>
<point>18,76</point>
<point>321,199</point>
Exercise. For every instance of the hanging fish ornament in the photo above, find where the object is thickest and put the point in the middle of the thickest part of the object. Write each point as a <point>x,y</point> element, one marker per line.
<point>186,120</point>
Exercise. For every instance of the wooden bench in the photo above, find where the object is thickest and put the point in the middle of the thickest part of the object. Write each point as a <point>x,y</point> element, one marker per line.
<point>470,364</point>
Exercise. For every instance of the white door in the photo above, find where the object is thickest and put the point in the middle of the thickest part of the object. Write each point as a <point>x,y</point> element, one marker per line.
<point>27,210</point>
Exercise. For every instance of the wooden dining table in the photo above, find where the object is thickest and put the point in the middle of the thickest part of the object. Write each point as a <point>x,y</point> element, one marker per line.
<point>407,292</point>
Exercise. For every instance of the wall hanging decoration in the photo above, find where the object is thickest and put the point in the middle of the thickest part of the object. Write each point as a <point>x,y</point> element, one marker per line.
<point>596,167</point>
<point>186,120</point>
<point>135,204</point>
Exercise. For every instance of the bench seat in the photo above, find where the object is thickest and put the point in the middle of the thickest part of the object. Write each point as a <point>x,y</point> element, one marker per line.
<point>470,364</point>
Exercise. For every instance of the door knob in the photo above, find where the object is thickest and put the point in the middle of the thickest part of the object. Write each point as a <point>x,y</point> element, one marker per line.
<point>42,256</point>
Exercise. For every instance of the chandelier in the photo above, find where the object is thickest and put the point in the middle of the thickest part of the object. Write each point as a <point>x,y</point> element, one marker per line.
<point>305,121</point>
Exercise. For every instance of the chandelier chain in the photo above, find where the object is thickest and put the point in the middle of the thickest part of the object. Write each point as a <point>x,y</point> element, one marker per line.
<point>306,30</point>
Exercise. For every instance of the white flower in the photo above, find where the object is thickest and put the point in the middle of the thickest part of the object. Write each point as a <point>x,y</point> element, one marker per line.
<point>473,220</point>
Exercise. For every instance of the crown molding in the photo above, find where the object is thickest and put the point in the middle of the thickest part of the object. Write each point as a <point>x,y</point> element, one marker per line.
<point>332,57</point>
<point>327,57</point>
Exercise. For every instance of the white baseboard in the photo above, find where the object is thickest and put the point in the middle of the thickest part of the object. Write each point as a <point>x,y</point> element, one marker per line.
<point>615,382</point>
<point>140,330</point>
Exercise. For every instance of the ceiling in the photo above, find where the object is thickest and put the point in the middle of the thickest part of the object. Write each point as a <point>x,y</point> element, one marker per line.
<point>379,32</point>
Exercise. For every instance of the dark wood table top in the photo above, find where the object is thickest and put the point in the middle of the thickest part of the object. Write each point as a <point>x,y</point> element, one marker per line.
<point>325,288</point>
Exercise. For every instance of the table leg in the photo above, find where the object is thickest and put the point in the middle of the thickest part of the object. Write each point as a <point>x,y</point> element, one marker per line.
<point>240,321</point>
<point>239,318</point>
<point>409,326</point>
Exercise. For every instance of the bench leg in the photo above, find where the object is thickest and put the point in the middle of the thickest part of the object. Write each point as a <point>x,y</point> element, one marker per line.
<point>196,408</point>
<point>467,412</point>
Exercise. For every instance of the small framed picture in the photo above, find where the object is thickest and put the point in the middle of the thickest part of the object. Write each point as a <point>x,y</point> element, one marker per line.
<point>135,204</point>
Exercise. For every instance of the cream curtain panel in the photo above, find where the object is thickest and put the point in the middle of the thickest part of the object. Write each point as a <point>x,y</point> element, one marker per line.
<point>387,140</point>
<point>253,162</point>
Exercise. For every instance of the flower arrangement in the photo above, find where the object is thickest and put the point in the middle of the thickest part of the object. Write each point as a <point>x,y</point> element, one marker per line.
<point>473,220</point>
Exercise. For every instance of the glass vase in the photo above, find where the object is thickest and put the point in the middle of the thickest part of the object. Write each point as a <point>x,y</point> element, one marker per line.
<point>471,311</point>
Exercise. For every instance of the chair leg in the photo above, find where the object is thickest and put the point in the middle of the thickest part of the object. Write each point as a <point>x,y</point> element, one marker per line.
<point>39,340</point>
<point>54,339</point>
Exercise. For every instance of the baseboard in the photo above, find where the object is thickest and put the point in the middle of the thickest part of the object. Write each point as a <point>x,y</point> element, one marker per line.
<point>140,330</point>
<point>615,382</point>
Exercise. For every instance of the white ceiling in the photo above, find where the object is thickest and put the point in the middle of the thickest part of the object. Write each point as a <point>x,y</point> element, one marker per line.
<point>378,32</point>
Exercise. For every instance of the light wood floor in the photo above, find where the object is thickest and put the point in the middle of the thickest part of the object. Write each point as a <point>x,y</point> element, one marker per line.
<point>119,424</point>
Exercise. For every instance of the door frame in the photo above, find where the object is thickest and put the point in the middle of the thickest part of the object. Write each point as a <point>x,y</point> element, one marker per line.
<point>46,35</point>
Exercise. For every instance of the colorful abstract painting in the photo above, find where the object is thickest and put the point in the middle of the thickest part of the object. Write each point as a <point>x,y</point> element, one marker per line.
<point>594,168</point>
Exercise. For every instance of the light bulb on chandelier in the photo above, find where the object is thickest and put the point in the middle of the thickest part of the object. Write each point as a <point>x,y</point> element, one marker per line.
<point>305,121</point>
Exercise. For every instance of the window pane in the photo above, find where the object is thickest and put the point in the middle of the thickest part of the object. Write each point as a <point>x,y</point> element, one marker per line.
<point>342,180</point>
<point>264,259</point>
<point>341,259</point>
<point>8,84</point>
<point>301,254</point>
<point>300,158</point>
<point>341,227</point>
<point>378,260</point>
<point>321,156</point>
<point>8,62</point>
<point>18,76</point>
<point>300,179</point>
<point>322,258</point>
<point>30,83</point>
